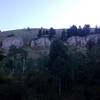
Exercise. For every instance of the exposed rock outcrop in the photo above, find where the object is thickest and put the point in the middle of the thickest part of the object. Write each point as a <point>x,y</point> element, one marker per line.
<point>42,42</point>
<point>9,41</point>
<point>82,41</point>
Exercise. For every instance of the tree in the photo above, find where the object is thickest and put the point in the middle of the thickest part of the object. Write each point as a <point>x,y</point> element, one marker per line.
<point>63,35</point>
<point>97,30</point>
<point>12,51</point>
<point>72,31</point>
<point>86,29</point>
<point>80,31</point>
<point>78,64</point>
<point>23,54</point>
<point>17,56</point>
<point>39,33</point>
<point>52,33</point>
<point>93,55</point>
<point>11,58</point>
<point>90,45</point>
<point>58,63</point>
<point>57,49</point>
<point>46,32</point>
<point>28,29</point>
<point>1,54</point>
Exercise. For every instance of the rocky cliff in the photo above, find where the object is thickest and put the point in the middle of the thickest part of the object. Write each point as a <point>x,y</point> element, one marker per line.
<point>82,41</point>
<point>9,41</point>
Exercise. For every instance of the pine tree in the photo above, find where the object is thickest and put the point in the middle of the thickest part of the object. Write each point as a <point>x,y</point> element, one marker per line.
<point>58,64</point>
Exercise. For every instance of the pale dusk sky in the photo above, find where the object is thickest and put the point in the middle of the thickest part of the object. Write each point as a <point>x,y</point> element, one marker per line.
<point>17,14</point>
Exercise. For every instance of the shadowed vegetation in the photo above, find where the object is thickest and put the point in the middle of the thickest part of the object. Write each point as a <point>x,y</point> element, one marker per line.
<point>63,74</point>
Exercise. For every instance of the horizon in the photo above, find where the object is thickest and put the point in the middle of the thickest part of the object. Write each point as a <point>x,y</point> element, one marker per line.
<point>48,13</point>
<point>92,27</point>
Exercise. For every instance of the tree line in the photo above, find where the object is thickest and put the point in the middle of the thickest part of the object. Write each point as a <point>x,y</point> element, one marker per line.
<point>74,31</point>
<point>45,32</point>
<point>68,32</point>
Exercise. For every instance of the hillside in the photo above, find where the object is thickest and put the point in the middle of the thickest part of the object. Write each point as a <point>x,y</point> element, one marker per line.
<point>29,36</point>
<point>62,71</point>
<point>26,34</point>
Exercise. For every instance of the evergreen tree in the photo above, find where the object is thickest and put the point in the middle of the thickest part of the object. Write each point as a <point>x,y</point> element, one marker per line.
<point>57,49</point>
<point>1,54</point>
<point>72,31</point>
<point>80,31</point>
<point>39,33</point>
<point>97,30</point>
<point>86,29</point>
<point>47,32</point>
<point>52,33</point>
<point>63,35</point>
<point>58,64</point>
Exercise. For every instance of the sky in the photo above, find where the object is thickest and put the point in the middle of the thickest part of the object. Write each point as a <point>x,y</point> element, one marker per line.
<point>17,14</point>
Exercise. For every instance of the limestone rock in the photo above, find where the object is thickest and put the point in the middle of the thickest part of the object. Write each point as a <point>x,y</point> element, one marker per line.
<point>82,41</point>
<point>42,42</point>
<point>9,41</point>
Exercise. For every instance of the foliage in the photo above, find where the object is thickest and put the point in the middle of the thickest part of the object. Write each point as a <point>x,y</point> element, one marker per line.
<point>63,74</point>
<point>74,31</point>
<point>52,33</point>
<point>1,54</point>
<point>39,33</point>
<point>63,35</point>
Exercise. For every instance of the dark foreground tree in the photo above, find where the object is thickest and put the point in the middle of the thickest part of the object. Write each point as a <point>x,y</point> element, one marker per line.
<point>1,54</point>
<point>58,64</point>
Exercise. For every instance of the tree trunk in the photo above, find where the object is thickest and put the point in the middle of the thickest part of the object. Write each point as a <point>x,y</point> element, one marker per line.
<point>23,65</point>
<point>60,88</point>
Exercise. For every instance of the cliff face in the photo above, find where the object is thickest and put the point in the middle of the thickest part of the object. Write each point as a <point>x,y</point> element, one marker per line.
<point>42,42</point>
<point>45,42</point>
<point>26,34</point>
<point>26,37</point>
<point>9,41</point>
<point>82,41</point>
